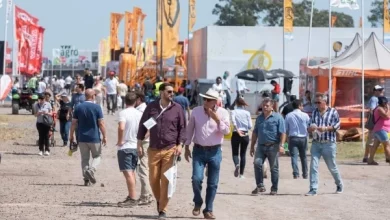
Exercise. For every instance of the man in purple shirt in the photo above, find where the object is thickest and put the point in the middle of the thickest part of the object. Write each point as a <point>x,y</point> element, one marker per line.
<point>166,124</point>
<point>208,124</point>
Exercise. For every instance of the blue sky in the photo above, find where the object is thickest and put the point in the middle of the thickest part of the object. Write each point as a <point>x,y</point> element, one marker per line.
<point>82,23</point>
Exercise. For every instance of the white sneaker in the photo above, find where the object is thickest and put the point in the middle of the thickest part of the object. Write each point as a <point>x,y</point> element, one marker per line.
<point>40,153</point>
<point>47,153</point>
<point>242,177</point>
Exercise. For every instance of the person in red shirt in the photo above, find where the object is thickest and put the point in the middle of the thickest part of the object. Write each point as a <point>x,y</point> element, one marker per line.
<point>275,94</point>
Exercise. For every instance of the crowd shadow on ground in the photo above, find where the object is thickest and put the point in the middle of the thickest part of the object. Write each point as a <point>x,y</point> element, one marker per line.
<point>147,216</point>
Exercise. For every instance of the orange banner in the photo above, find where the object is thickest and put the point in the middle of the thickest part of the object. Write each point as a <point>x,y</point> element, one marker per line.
<point>168,28</point>
<point>192,15</point>
<point>141,36</point>
<point>115,20</point>
<point>386,20</point>
<point>334,19</point>
<point>137,12</point>
<point>128,28</point>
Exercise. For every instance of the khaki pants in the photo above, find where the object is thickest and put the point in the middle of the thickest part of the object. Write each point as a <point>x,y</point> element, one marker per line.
<point>143,172</point>
<point>86,149</point>
<point>160,160</point>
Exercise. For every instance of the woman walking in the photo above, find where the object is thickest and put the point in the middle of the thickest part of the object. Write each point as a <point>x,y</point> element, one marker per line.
<point>43,109</point>
<point>99,91</point>
<point>64,117</point>
<point>242,123</point>
<point>381,129</point>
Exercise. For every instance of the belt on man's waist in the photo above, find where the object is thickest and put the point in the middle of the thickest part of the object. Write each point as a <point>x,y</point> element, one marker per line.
<point>323,141</point>
<point>207,147</point>
<point>269,144</point>
<point>296,137</point>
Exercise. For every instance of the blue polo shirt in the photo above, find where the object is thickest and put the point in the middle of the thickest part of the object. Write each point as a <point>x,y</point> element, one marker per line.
<point>269,130</point>
<point>88,115</point>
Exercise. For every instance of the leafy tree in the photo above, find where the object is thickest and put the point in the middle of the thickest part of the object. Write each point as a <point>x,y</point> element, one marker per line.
<point>376,17</point>
<point>237,13</point>
<point>270,13</point>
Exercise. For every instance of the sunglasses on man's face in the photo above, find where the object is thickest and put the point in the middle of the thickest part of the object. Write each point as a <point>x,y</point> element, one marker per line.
<point>317,103</point>
<point>169,91</point>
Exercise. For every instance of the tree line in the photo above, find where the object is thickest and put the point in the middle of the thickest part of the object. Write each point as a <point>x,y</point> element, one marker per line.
<point>270,13</point>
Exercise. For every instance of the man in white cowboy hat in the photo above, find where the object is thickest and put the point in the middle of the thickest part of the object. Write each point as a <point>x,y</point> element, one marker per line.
<point>208,124</point>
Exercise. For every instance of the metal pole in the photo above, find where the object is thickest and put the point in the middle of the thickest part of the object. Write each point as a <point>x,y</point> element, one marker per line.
<point>363,73</point>
<point>157,27</point>
<point>161,40</point>
<point>311,24</point>
<point>5,36</point>
<point>188,42</point>
<point>330,55</point>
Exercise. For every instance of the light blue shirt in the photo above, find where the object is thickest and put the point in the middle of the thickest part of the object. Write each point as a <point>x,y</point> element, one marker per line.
<point>269,130</point>
<point>373,103</point>
<point>297,123</point>
<point>241,119</point>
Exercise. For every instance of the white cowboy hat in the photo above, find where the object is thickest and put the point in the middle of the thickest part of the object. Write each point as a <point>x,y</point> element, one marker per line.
<point>210,94</point>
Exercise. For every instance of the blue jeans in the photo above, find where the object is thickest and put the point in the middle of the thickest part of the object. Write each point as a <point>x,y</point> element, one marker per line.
<point>298,145</point>
<point>200,158</point>
<point>272,153</point>
<point>328,151</point>
<point>64,131</point>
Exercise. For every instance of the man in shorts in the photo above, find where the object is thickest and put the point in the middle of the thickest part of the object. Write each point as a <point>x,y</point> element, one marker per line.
<point>128,123</point>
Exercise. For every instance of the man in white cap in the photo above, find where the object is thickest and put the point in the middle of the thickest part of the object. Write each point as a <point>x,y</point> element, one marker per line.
<point>372,104</point>
<point>208,124</point>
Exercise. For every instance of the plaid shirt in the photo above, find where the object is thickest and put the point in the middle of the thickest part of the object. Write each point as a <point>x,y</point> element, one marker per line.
<point>329,118</point>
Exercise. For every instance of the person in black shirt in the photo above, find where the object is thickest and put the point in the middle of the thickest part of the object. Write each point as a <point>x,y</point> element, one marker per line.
<point>64,117</point>
<point>88,79</point>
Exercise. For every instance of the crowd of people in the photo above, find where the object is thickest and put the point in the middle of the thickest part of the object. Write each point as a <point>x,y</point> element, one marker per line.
<point>155,127</point>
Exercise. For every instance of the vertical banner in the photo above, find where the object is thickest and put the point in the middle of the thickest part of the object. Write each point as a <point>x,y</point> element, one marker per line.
<point>102,48</point>
<point>142,30</point>
<point>39,50</point>
<point>26,32</point>
<point>137,12</point>
<point>168,28</point>
<point>386,21</point>
<point>114,24</point>
<point>334,19</point>
<point>33,43</point>
<point>107,51</point>
<point>288,19</point>
<point>128,28</point>
<point>149,49</point>
<point>192,16</point>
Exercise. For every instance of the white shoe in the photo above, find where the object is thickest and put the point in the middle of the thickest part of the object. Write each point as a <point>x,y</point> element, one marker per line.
<point>40,153</point>
<point>47,153</point>
<point>242,177</point>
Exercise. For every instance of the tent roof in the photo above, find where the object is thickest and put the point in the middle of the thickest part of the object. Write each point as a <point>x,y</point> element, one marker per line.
<point>376,57</point>
<point>355,44</point>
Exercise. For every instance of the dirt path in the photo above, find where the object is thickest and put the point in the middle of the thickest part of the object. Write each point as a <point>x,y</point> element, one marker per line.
<point>34,187</point>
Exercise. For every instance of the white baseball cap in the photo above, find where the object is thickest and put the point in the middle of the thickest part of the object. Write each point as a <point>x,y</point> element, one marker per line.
<point>378,88</point>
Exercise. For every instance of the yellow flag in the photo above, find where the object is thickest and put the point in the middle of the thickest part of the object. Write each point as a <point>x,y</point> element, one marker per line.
<point>386,20</point>
<point>192,15</point>
<point>115,20</point>
<point>102,51</point>
<point>288,18</point>
<point>107,51</point>
<point>168,28</point>
<point>149,49</point>
<point>128,20</point>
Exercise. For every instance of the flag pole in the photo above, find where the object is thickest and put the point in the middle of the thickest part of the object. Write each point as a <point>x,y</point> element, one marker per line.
<point>330,56</point>
<point>161,36</point>
<point>6,35</point>
<point>310,27</point>
<point>363,73</point>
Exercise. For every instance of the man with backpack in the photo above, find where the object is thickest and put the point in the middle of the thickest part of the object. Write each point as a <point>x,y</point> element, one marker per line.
<point>372,104</point>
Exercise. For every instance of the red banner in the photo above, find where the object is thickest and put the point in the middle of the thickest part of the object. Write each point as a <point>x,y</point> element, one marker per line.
<point>22,22</point>
<point>39,51</point>
<point>27,32</point>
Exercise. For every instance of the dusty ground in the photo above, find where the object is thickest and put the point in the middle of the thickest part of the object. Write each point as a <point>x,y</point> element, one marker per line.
<point>34,187</point>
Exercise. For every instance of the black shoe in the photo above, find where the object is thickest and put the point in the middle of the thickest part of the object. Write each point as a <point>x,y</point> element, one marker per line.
<point>387,160</point>
<point>365,160</point>
<point>296,177</point>
<point>87,183</point>
<point>304,177</point>
<point>162,215</point>
<point>258,190</point>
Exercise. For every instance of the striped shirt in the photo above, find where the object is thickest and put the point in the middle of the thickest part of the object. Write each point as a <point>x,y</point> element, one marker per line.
<point>329,118</point>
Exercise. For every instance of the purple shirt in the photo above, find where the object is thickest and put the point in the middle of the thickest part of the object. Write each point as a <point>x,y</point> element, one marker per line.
<point>170,128</point>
